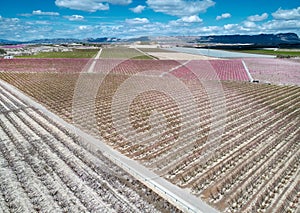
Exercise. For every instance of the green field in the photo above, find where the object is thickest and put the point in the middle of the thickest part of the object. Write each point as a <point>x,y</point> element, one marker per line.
<point>73,54</point>
<point>156,50</point>
<point>142,57</point>
<point>279,52</point>
<point>123,52</point>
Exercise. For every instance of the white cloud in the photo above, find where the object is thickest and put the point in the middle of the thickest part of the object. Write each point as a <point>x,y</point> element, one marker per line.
<point>255,18</point>
<point>42,22</point>
<point>230,26</point>
<point>282,25</point>
<point>137,21</point>
<point>186,21</point>
<point>180,8</point>
<point>293,14</point>
<point>190,25</point>
<point>249,24</point>
<point>39,12</point>
<point>74,17</point>
<point>83,27</point>
<point>138,9</point>
<point>223,16</point>
<point>210,30</point>
<point>191,19</point>
<point>25,14</point>
<point>90,5</point>
<point>9,20</point>
<point>117,2</point>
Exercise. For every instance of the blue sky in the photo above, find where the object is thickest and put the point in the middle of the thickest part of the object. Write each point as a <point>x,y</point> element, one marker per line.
<point>38,19</point>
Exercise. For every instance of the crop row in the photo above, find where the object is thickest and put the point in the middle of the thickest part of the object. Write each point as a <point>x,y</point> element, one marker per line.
<point>43,65</point>
<point>204,69</point>
<point>260,135</point>
<point>44,167</point>
<point>229,70</point>
<point>278,71</point>
<point>242,123</point>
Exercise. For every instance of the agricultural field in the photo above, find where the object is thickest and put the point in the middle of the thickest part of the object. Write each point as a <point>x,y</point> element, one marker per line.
<point>155,50</point>
<point>276,71</point>
<point>216,53</point>
<point>162,55</point>
<point>123,53</point>
<point>167,54</point>
<point>253,166</point>
<point>80,53</point>
<point>278,52</point>
<point>224,69</point>
<point>43,65</point>
<point>45,167</point>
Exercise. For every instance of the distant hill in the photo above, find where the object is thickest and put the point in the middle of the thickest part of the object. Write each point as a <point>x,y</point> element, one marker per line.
<point>55,41</point>
<point>142,39</point>
<point>262,39</point>
<point>62,41</point>
<point>3,41</point>
<point>102,40</point>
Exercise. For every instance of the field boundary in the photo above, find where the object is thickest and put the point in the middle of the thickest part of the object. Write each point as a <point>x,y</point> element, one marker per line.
<point>175,68</point>
<point>247,71</point>
<point>180,198</point>
<point>92,67</point>
<point>137,49</point>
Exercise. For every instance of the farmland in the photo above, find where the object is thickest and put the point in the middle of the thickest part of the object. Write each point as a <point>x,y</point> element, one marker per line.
<point>86,53</point>
<point>278,52</point>
<point>225,70</point>
<point>278,71</point>
<point>206,69</point>
<point>45,167</point>
<point>155,50</point>
<point>256,163</point>
<point>219,53</point>
<point>44,65</point>
<point>123,53</point>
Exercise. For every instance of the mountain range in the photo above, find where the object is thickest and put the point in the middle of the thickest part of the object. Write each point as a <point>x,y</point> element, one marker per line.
<point>261,39</point>
<point>251,39</point>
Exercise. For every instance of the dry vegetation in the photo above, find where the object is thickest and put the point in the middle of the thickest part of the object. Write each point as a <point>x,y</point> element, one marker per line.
<point>46,168</point>
<point>256,166</point>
